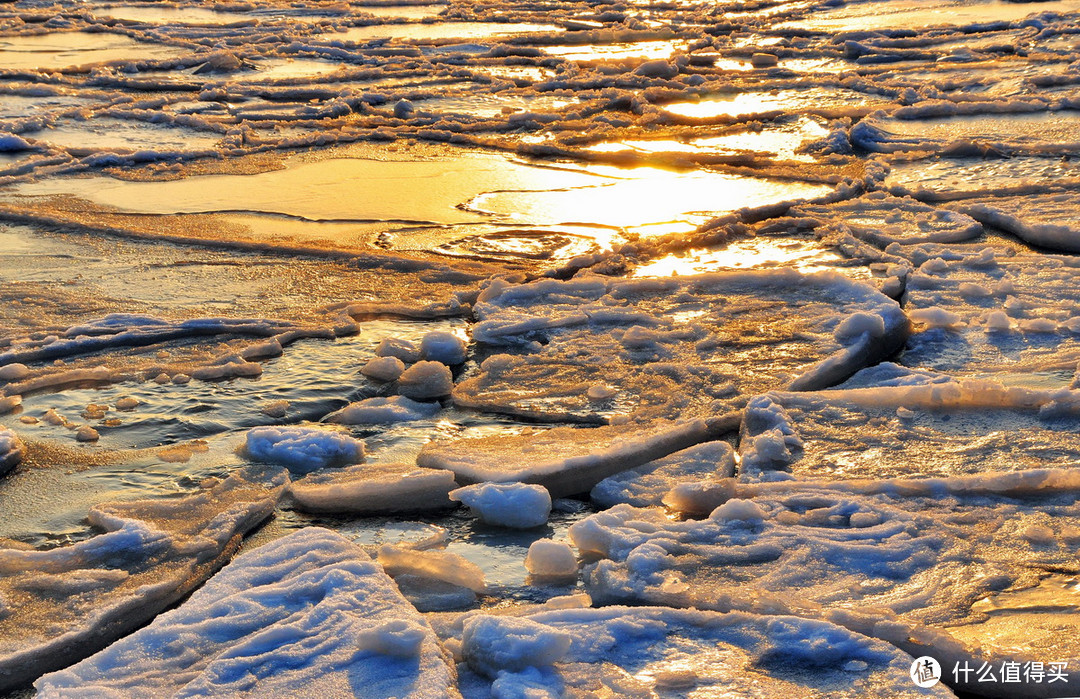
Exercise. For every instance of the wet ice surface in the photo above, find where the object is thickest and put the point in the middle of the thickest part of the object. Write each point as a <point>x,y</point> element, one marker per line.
<point>774,305</point>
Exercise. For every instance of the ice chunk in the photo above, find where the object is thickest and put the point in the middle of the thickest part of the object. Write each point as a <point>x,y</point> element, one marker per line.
<point>435,565</point>
<point>443,347</point>
<point>647,484</point>
<point>655,651</point>
<point>14,372</point>
<point>11,450</point>
<point>309,614</point>
<point>426,380</point>
<point>74,600</point>
<point>551,559</point>
<point>374,488</point>
<point>566,460</point>
<point>384,369</point>
<point>669,347</point>
<point>303,449</point>
<point>515,505</point>
<point>1047,220</point>
<point>492,644</point>
<point>400,348</point>
<point>381,411</point>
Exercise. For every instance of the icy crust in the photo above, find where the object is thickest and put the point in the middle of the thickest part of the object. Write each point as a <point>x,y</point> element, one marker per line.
<point>655,651</point>
<point>374,489</point>
<point>1047,221</point>
<point>992,312</point>
<point>566,460</point>
<point>935,429</point>
<point>647,484</point>
<point>594,347</point>
<point>921,129</point>
<point>881,220</point>
<point>307,615</point>
<point>902,560</point>
<point>302,449</point>
<point>61,605</point>
<point>954,178</point>
<point>514,505</point>
<point>11,450</point>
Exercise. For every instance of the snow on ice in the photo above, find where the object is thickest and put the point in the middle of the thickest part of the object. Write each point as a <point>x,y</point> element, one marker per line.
<point>63,604</point>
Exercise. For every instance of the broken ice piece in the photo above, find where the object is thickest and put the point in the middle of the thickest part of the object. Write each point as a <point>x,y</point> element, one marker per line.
<point>435,565</point>
<point>374,488</point>
<point>65,603</point>
<point>551,559</point>
<point>647,484</point>
<point>307,615</point>
<point>303,449</point>
<point>381,411</point>
<point>514,505</point>
<point>566,460</point>
<point>11,450</point>
<point>426,381</point>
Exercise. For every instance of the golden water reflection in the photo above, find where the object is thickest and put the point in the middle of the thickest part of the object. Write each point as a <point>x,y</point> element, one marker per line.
<point>752,253</point>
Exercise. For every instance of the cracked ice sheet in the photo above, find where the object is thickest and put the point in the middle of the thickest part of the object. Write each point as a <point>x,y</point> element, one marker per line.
<point>62,604</point>
<point>881,220</point>
<point>939,428</point>
<point>901,560</point>
<point>949,179</point>
<point>309,614</point>
<point>990,312</point>
<point>1050,220</point>
<point>593,348</point>
<point>908,130</point>
<point>654,651</point>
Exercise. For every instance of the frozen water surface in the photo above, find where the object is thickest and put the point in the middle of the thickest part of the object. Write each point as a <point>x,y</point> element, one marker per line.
<point>54,51</point>
<point>776,303</point>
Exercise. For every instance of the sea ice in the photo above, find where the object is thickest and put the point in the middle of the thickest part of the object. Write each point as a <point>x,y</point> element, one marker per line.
<point>655,651</point>
<point>11,450</point>
<point>309,614</point>
<point>566,460</point>
<point>62,604</point>
<point>899,559</point>
<point>379,411</point>
<point>303,449</point>
<point>514,505</point>
<point>647,484</point>
<point>672,347</point>
<point>426,380</point>
<point>373,489</point>
<point>551,559</point>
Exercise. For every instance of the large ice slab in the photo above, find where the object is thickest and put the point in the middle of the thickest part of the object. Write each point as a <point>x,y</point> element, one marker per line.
<point>881,220</point>
<point>566,460</point>
<point>653,651</point>
<point>595,347</point>
<point>902,560</point>
<point>1041,131</point>
<point>63,604</point>
<point>944,428</point>
<point>1048,220</point>
<point>307,615</point>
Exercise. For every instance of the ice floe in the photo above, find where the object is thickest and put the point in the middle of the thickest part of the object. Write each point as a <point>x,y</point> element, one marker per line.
<point>374,489</point>
<point>310,613</point>
<point>303,449</point>
<point>65,603</point>
<point>514,505</point>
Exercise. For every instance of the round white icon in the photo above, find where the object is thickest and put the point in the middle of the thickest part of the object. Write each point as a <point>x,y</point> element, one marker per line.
<point>925,672</point>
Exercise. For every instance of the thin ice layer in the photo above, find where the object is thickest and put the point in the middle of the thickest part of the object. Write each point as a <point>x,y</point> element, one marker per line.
<point>901,559</point>
<point>374,488</point>
<point>307,615</point>
<point>566,460</point>
<point>594,347</point>
<point>655,651</point>
<point>943,428</point>
<point>63,604</point>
